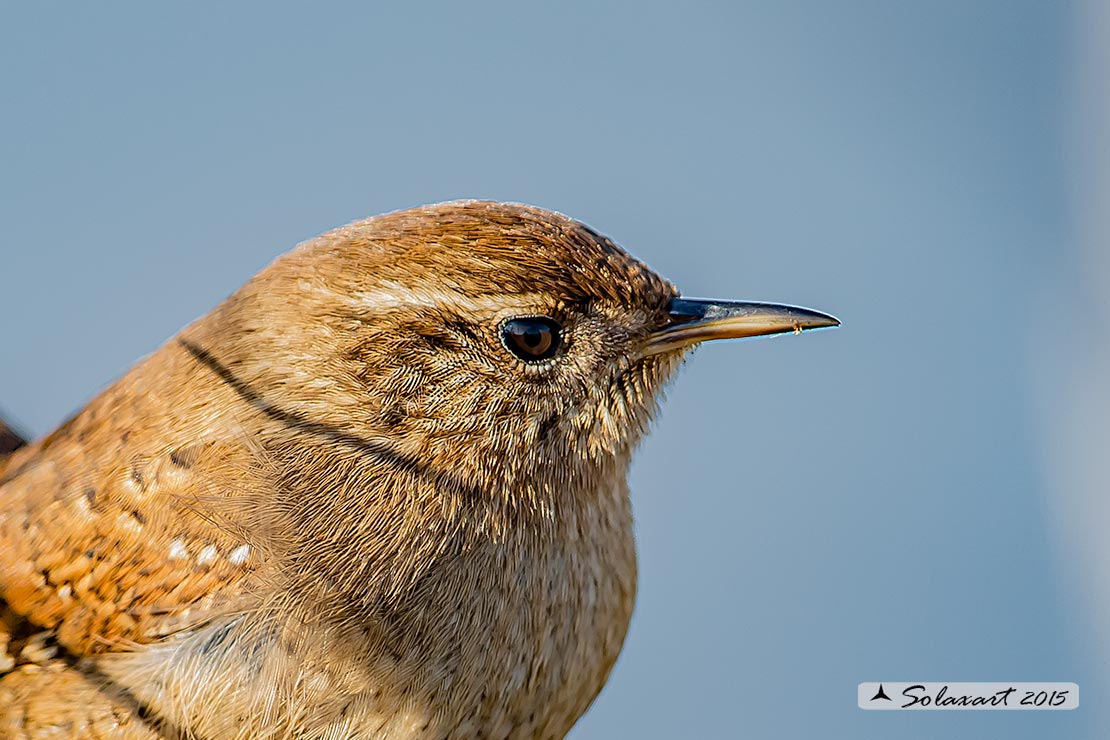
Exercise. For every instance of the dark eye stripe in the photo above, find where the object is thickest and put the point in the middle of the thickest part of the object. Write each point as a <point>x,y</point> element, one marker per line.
<point>532,338</point>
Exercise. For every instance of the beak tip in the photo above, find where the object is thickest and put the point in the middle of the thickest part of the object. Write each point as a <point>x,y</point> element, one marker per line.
<point>698,320</point>
<point>807,319</point>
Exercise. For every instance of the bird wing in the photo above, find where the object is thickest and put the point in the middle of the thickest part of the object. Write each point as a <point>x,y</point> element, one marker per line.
<point>111,547</point>
<point>43,695</point>
<point>96,557</point>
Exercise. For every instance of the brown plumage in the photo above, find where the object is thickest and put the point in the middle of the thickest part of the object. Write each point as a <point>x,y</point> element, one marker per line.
<point>340,505</point>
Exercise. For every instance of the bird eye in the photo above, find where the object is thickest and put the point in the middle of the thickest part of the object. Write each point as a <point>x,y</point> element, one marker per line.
<point>531,339</point>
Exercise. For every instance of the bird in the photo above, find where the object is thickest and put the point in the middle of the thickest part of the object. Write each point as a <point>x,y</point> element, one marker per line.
<point>378,492</point>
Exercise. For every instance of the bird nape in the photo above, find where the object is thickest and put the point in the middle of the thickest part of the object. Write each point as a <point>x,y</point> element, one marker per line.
<point>379,492</point>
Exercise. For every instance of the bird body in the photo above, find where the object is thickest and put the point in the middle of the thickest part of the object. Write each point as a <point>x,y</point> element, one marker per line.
<point>380,492</point>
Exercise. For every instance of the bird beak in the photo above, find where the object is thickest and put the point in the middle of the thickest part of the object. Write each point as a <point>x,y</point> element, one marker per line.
<point>694,321</point>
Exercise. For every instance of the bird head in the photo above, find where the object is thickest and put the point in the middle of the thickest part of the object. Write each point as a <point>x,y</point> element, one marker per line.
<point>507,344</point>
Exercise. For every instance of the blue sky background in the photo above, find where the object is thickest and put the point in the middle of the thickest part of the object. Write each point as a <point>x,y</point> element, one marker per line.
<point>871,503</point>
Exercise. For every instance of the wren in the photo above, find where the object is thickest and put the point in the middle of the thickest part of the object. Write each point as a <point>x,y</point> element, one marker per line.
<point>379,492</point>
